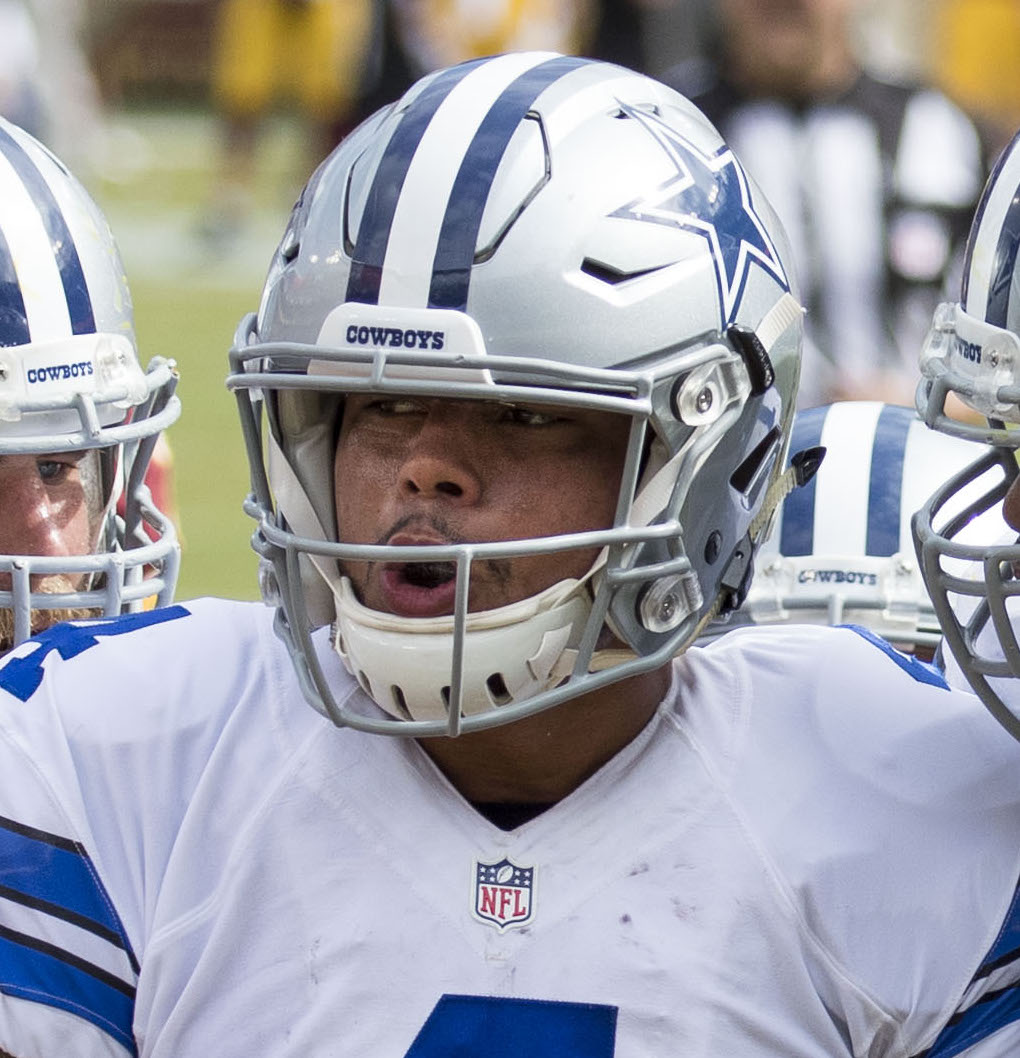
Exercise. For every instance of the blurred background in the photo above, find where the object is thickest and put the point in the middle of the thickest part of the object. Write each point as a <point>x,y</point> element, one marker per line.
<point>195,123</point>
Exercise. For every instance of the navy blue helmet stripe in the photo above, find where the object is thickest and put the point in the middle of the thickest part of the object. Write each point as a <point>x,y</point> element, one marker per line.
<point>1003,266</point>
<point>31,969</point>
<point>797,536</point>
<point>1004,262</point>
<point>13,317</point>
<point>374,230</point>
<point>46,869</point>
<point>979,214</point>
<point>983,1019</point>
<point>885,487</point>
<point>458,237</point>
<point>72,275</point>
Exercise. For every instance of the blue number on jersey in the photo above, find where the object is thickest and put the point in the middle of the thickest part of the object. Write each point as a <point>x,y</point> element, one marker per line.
<point>22,675</point>
<point>921,671</point>
<point>499,1027</point>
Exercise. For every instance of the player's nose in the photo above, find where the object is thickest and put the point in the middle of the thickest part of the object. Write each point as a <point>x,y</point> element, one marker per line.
<point>441,461</point>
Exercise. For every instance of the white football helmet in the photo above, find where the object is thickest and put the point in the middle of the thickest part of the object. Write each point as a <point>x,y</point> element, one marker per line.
<point>535,227</point>
<point>842,550</point>
<point>973,351</point>
<point>70,380</point>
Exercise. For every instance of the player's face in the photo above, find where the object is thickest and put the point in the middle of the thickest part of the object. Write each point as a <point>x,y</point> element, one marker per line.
<point>50,506</point>
<point>1011,506</point>
<point>419,471</point>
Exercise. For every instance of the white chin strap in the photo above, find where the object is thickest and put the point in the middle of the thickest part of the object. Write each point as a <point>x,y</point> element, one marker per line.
<point>509,654</point>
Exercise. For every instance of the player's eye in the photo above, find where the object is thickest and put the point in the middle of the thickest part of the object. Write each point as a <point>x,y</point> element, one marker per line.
<point>394,406</point>
<point>522,415</point>
<point>55,470</point>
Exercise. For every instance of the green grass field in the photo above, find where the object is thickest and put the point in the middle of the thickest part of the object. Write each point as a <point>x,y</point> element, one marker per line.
<point>193,326</point>
<point>187,303</point>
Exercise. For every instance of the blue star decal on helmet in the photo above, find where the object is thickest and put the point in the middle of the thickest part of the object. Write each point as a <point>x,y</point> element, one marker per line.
<point>709,196</point>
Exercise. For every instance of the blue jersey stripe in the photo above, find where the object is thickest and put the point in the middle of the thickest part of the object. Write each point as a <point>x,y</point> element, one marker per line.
<point>885,486</point>
<point>458,237</point>
<point>30,969</point>
<point>47,871</point>
<point>980,1021</point>
<point>797,535</point>
<point>377,219</point>
<point>13,317</point>
<point>72,275</point>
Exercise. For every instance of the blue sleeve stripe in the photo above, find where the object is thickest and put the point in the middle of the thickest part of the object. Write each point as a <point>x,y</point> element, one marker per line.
<point>918,670</point>
<point>49,872</point>
<point>62,913</point>
<point>991,1013</point>
<point>31,969</point>
<point>1007,944</point>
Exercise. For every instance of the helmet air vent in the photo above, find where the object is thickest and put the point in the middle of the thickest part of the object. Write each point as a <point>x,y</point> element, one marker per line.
<point>400,702</point>
<point>744,478</point>
<point>497,689</point>
<point>613,276</point>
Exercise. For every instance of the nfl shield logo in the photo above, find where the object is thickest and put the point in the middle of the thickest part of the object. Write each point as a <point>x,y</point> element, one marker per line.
<point>503,894</point>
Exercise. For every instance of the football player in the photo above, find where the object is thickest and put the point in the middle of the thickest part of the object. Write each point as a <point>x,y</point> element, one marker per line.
<point>842,550</point>
<point>517,402</point>
<point>78,415</point>
<point>973,352</point>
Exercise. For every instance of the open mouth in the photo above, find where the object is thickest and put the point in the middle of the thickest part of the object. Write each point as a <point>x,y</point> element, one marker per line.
<point>419,589</point>
<point>427,574</point>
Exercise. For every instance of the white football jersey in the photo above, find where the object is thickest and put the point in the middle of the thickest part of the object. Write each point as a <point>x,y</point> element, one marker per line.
<point>811,851</point>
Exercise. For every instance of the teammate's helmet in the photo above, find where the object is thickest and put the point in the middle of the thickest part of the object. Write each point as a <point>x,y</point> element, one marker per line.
<point>973,351</point>
<point>531,227</point>
<point>70,380</point>
<point>842,550</point>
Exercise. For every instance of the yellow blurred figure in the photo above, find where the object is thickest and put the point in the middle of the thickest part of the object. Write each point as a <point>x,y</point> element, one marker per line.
<point>311,54</point>
<point>308,51</point>
<point>436,33</point>
<point>976,55</point>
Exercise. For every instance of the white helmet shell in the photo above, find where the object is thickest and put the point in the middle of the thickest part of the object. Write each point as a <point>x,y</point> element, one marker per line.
<point>535,225</point>
<point>70,380</point>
